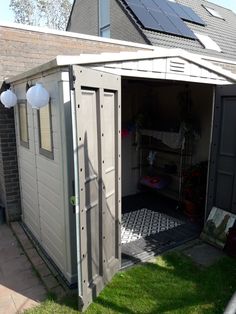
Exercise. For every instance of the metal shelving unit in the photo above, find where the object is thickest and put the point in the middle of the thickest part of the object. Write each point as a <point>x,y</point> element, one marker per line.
<point>182,158</point>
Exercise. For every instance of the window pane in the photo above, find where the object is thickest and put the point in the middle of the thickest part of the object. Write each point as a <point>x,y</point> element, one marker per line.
<point>104,9</point>
<point>105,32</point>
<point>23,122</point>
<point>45,131</point>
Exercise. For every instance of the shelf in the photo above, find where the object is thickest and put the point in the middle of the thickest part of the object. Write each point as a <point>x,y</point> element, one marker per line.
<point>174,152</point>
<point>149,147</point>
<point>165,192</point>
<point>160,171</point>
<point>170,193</point>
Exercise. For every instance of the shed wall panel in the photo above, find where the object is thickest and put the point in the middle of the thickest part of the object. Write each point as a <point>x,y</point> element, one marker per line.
<point>45,206</point>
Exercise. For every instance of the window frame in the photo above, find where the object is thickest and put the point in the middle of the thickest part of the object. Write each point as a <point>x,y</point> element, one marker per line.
<point>43,151</point>
<point>19,103</point>
<point>104,27</point>
<point>207,42</point>
<point>213,12</point>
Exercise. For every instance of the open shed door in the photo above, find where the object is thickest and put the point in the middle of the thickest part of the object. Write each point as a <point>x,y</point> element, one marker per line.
<point>222,168</point>
<point>98,151</point>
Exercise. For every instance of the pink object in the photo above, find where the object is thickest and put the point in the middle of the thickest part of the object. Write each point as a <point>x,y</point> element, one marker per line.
<point>124,133</point>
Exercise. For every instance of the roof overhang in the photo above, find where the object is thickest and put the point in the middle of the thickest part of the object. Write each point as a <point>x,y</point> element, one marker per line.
<point>168,64</point>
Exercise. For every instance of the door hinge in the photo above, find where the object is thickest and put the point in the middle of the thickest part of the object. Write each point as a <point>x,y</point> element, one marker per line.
<point>72,77</point>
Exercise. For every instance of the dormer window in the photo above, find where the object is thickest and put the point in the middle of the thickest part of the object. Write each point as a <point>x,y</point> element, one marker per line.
<point>104,18</point>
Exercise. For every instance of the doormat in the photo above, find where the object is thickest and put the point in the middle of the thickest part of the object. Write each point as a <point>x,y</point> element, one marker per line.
<point>145,222</point>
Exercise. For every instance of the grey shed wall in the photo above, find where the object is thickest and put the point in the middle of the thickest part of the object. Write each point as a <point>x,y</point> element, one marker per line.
<point>46,184</point>
<point>85,19</point>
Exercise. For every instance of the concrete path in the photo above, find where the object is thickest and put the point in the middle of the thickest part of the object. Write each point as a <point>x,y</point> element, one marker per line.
<point>20,287</point>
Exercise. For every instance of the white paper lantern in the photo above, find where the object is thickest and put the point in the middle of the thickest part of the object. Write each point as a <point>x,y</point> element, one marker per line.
<point>8,99</point>
<point>37,96</point>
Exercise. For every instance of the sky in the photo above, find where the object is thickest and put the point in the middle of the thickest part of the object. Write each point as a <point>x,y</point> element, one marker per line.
<point>7,16</point>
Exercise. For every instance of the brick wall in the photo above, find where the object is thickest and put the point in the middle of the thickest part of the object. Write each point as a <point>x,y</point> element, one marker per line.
<point>121,26</point>
<point>85,19</point>
<point>226,66</point>
<point>22,50</point>
<point>9,182</point>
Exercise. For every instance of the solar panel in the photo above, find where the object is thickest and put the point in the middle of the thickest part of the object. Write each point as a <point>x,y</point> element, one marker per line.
<point>150,5</point>
<point>186,13</point>
<point>145,18</point>
<point>134,2</point>
<point>158,15</point>
<point>165,22</point>
<point>195,18</point>
<point>165,7</point>
<point>182,27</point>
<point>179,11</point>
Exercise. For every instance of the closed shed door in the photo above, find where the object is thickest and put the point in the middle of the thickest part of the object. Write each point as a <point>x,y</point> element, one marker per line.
<point>222,175</point>
<point>98,116</point>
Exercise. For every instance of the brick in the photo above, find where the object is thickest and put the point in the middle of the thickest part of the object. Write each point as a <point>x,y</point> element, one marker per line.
<point>43,270</point>
<point>59,292</point>
<point>34,257</point>
<point>50,282</point>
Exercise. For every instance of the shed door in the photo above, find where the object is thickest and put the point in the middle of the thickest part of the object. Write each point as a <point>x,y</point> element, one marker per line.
<point>98,121</point>
<point>222,168</point>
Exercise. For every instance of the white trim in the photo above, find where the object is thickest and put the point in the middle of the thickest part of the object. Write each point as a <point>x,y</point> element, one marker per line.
<point>104,59</point>
<point>75,35</point>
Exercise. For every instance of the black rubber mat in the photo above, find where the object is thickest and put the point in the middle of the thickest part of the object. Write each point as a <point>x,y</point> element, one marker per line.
<point>146,247</point>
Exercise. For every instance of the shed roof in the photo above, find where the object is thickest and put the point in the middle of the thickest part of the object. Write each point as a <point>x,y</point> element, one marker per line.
<point>161,62</point>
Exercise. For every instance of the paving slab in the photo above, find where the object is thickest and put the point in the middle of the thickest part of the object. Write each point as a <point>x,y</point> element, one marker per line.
<point>20,287</point>
<point>204,254</point>
<point>47,273</point>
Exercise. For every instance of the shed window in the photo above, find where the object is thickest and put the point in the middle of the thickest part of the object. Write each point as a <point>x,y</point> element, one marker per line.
<point>45,131</point>
<point>104,18</point>
<point>23,124</point>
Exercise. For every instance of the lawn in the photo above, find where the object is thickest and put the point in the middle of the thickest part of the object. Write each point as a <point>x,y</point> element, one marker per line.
<point>172,283</point>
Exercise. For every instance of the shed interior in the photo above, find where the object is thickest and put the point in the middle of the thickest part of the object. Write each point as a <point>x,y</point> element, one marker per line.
<point>166,129</point>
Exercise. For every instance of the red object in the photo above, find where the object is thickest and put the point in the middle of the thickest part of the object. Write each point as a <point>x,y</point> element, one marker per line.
<point>230,246</point>
<point>157,182</point>
<point>124,133</point>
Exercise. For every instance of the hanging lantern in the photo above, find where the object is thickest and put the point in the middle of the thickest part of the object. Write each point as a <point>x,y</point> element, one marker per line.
<point>37,96</point>
<point>8,99</point>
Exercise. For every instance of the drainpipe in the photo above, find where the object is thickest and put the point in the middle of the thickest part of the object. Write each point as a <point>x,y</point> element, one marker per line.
<point>76,176</point>
<point>231,307</point>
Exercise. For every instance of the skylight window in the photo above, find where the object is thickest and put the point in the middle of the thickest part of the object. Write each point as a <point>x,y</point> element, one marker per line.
<point>213,12</point>
<point>207,42</point>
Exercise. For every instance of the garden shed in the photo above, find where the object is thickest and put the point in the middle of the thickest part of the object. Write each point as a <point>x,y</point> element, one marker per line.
<point>117,124</point>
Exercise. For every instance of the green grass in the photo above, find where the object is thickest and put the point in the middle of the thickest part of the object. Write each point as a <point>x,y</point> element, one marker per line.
<point>171,284</point>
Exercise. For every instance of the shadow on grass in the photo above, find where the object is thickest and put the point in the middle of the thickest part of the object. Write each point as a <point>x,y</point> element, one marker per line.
<point>171,284</point>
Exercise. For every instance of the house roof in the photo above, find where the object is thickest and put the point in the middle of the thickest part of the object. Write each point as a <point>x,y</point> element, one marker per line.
<point>222,31</point>
<point>159,64</point>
